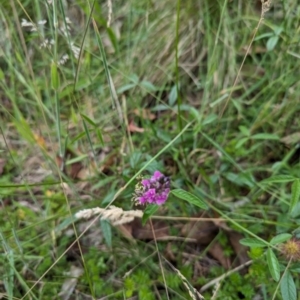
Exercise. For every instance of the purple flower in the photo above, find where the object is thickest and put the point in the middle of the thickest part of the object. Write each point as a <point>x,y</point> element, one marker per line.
<point>154,190</point>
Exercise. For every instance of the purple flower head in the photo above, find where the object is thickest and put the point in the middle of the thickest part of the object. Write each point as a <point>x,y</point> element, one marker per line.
<point>154,190</point>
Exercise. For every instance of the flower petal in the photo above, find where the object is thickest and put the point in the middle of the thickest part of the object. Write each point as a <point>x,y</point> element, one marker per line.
<point>157,175</point>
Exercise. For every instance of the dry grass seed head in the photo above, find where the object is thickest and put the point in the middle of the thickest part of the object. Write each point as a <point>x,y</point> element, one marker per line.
<point>116,215</point>
<point>265,6</point>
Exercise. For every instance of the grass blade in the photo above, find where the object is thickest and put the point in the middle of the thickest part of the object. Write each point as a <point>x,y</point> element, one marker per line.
<point>295,195</point>
<point>279,179</point>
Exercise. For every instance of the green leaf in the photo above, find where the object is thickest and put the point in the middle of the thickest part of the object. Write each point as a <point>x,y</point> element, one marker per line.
<point>295,270</point>
<point>108,197</point>
<point>273,264</point>
<point>173,96</point>
<point>125,88</point>
<point>253,243</point>
<point>265,136</point>
<point>89,120</point>
<point>192,199</point>
<point>149,211</point>
<point>278,30</point>
<point>245,131</point>
<point>295,195</point>
<point>24,130</point>
<point>279,179</point>
<point>134,78</point>
<point>76,159</point>
<point>106,230</point>
<point>288,287</point>
<point>135,159</point>
<point>209,119</point>
<point>241,142</point>
<point>271,43</point>
<point>148,86</point>
<point>99,135</point>
<point>113,38</point>
<point>1,74</point>
<point>8,278</point>
<point>280,238</point>
<point>264,35</point>
<point>241,179</point>
<point>296,211</point>
<point>296,233</point>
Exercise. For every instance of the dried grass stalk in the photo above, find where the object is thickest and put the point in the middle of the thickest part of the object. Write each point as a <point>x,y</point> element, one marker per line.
<point>109,5</point>
<point>194,294</point>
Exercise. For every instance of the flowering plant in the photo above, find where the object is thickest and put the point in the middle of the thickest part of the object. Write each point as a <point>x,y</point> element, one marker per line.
<point>154,190</point>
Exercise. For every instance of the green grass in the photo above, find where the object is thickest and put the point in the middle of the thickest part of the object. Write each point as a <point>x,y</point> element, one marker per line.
<point>204,91</point>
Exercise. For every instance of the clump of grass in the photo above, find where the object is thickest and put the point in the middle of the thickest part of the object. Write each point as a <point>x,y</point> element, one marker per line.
<point>92,98</point>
